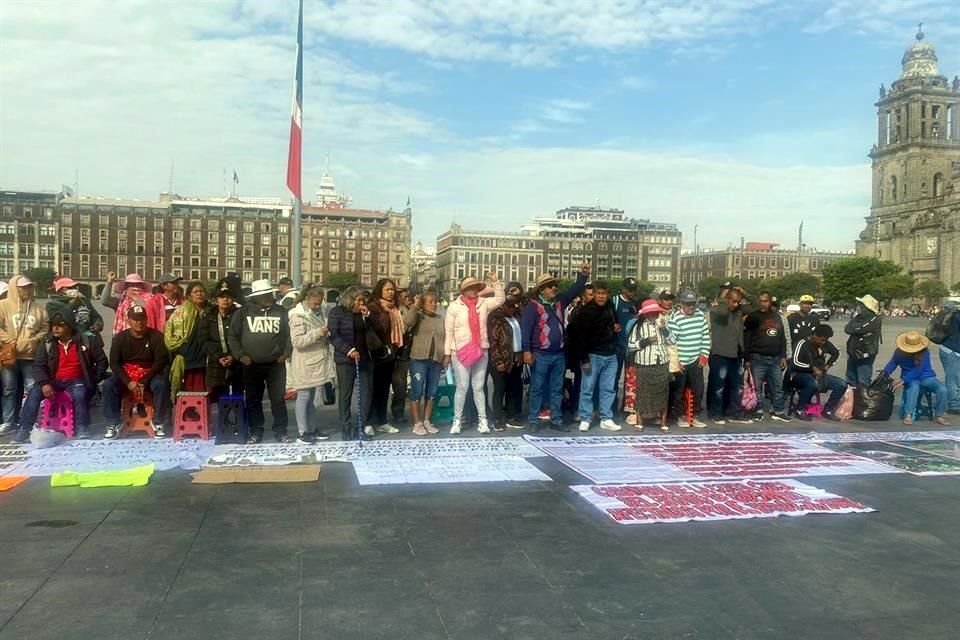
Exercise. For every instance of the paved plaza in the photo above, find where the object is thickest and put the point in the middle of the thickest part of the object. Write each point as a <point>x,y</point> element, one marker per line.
<point>331,559</point>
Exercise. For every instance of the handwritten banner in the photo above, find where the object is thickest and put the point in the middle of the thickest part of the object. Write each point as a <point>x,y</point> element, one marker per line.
<point>453,469</point>
<point>86,456</point>
<point>685,502</point>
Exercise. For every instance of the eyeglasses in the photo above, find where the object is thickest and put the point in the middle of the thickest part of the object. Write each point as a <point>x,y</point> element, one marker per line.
<point>552,286</point>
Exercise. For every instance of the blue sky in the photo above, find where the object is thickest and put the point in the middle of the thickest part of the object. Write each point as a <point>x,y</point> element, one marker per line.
<point>740,116</point>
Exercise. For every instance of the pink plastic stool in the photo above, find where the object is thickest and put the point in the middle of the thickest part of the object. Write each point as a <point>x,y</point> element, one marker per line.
<point>58,415</point>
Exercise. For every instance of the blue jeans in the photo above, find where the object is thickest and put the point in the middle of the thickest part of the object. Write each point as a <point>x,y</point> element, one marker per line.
<point>951,373</point>
<point>603,374</point>
<point>113,391</point>
<point>860,372</point>
<point>723,386</point>
<point>911,394</point>
<point>77,390</point>
<point>17,380</point>
<point>806,384</point>
<point>546,384</point>
<point>424,379</point>
<point>766,369</point>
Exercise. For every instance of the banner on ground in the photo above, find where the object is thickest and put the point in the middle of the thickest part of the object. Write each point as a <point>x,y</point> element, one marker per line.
<point>704,459</point>
<point>880,436</point>
<point>919,457</point>
<point>684,502</point>
<point>85,456</point>
<point>452,469</point>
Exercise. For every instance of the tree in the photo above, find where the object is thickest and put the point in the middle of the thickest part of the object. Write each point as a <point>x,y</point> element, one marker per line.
<point>848,278</point>
<point>793,285</point>
<point>341,279</point>
<point>711,286</point>
<point>890,287</point>
<point>932,291</point>
<point>955,288</point>
<point>42,279</point>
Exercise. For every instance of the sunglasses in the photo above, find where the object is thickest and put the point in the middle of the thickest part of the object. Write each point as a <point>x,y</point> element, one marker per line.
<point>59,324</point>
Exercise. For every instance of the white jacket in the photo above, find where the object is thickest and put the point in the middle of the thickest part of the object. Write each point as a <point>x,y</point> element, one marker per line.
<point>457,325</point>
<point>311,364</point>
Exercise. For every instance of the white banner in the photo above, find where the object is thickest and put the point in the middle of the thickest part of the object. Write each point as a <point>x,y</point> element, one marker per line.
<point>85,456</point>
<point>454,469</point>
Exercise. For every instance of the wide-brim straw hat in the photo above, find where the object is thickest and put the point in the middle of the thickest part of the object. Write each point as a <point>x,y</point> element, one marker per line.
<point>544,280</point>
<point>870,303</point>
<point>912,342</point>
<point>470,283</point>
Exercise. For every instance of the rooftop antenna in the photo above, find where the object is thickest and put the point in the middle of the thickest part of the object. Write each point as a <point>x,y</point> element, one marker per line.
<point>170,186</point>
<point>326,168</point>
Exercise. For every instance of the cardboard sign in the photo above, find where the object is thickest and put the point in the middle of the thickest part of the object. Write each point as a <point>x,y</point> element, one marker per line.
<point>231,475</point>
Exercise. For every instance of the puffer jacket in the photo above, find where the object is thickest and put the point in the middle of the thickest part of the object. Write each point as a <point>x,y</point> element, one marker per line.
<point>311,364</point>
<point>22,321</point>
<point>457,322</point>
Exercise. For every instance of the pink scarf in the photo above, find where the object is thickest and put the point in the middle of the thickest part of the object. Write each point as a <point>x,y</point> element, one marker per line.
<point>473,315</point>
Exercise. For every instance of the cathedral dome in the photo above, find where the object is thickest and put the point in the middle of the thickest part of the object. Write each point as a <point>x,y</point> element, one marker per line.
<point>919,60</point>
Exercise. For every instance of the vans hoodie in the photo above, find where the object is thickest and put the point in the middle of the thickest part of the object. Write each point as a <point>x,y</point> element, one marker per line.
<point>28,319</point>
<point>261,334</point>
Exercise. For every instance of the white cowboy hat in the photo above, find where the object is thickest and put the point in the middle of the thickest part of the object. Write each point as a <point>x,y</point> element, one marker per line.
<point>870,303</point>
<point>261,287</point>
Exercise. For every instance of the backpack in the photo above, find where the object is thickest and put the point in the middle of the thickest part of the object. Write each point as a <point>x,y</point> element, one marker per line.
<point>941,326</point>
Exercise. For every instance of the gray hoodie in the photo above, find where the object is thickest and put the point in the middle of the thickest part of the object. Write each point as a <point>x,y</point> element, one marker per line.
<point>261,334</point>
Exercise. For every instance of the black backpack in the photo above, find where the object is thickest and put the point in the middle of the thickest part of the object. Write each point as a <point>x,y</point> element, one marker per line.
<point>941,325</point>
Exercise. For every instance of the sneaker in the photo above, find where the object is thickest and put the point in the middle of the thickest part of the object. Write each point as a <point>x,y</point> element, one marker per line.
<point>758,417</point>
<point>319,436</point>
<point>781,417</point>
<point>306,438</point>
<point>388,428</point>
<point>483,426</point>
<point>455,428</point>
<point>368,431</point>
<point>802,416</point>
<point>159,431</point>
<point>429,427</point>
<point>717,421</point>
<point>22,436</point>
<point>664,428</point>
<point>499,426</point>
<point>83,433</point>
<point>584,426</point>
<point>6,429</point>
<point>740,420</point>
<point>682,423</point>
<point>698,423</point>
<point>560,426</point>
<point>112,431</point>
<point>419,429</point>
<point>638,426</point>
<point>515,425</point>
<point>609,425</point>
<point>544,414</point>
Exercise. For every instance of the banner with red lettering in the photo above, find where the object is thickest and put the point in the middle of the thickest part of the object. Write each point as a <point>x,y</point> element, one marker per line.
<point>686,501</point>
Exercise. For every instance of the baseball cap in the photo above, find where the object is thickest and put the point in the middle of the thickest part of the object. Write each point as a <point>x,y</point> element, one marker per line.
<point>223,290</point>
<point>630,283</point>
<point>666,294</point>
<point>24,281</point>
<point>806,298</point>
<point>136,312</point>
<point>688,296</point>
<point>285,280</point>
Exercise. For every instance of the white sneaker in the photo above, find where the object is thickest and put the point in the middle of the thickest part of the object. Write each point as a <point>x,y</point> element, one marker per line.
<point>7,428</point>
<point>159,431</point>
<point>483,427</point>
<point>513,425</point>
<point>429,427</point>
<point>368,431</point>
<point>584,426</point>
<point>682,423</point>
<point>455,428</point>
<point>388,428</point>
<point>112,431</point>
<point>698,423</point>
<point>609,425</point>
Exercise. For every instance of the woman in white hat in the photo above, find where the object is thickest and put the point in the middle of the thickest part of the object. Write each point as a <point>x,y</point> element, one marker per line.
<point>864,329</point>
<point>916,374</point>
<point>466,345</point>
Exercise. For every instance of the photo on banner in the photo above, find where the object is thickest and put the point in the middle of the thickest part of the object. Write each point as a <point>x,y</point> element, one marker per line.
<point>921,458</point>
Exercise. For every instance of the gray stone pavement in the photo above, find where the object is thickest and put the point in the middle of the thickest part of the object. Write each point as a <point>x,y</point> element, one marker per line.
<point>332,559</point>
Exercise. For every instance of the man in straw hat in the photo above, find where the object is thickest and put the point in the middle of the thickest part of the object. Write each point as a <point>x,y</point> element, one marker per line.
<point>542,334</point>
<point>864,329</point>
<point>916,374</point>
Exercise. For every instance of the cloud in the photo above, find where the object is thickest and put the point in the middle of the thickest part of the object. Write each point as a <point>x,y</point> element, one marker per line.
<point>891,19</point>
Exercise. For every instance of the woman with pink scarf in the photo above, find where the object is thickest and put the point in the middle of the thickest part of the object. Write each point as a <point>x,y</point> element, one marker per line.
<point>134,290</point>
<point>467,346</point>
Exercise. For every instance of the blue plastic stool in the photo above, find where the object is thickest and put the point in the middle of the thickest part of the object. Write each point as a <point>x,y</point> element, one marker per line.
<point>925,405</point>
<point>231,417</point>
<point>443,403</point>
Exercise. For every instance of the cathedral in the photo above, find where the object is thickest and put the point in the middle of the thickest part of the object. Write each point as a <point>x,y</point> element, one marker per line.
<point>914,217</point>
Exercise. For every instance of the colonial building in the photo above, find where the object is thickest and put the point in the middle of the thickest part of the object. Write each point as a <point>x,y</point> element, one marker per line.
<point>423,268</point>
<point>29,227</point>
<point>753,260</point>
<point>460,253</point>
<point>915,213</point>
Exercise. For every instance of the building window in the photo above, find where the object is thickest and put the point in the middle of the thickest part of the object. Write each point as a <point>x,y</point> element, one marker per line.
<point>937,184</point>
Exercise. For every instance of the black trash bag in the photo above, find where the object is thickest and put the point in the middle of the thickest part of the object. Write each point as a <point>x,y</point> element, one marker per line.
<point>874,403</point>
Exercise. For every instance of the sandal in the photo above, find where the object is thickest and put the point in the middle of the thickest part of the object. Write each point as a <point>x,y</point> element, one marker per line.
<point>943,422</point>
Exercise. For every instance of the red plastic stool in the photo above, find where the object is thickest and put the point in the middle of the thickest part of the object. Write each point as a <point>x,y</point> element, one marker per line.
<point>134,423</point>
<point>191,415</point>
<point>58,415</point>
<point>688,404</point>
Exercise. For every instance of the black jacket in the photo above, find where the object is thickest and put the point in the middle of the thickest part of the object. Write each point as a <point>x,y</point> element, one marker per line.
<point>261,334</point>
<point>808,356</point>
<point>591,331</point>
<point>347,333</point>
<point>864,330</point>
<point>801,326</point>
<point>214,348</point>
<point>763,335</point>
<point>93,361</point>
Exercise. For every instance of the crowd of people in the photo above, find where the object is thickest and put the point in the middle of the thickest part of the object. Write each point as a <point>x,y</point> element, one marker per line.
<point>590,353</point>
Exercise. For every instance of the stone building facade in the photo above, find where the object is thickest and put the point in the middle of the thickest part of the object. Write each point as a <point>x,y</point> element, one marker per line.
<point>914,217</point>
<point>753,260</point>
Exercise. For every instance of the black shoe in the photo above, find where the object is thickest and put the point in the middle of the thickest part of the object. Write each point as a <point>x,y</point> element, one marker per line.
<point>803,417</point>
<point>559,426</point>
<point>499,426</point>
<point>305,438</point>
<point>830,417</point>
<point>320,436</point>
<point>533,427</point>
<point>21,437</point>
<point>83,433</point>
<point>282,438</point>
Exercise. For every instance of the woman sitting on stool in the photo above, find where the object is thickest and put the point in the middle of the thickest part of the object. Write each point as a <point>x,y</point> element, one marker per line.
<point>916,374</point>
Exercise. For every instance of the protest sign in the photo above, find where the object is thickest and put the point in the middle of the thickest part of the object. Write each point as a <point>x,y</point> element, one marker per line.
<point>683,502</point>
<point>86,456</point>
<point>453,469</point>
<point>880,436</point>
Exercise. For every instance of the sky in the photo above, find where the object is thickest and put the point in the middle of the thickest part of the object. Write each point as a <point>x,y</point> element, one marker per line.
<point>739,117</point>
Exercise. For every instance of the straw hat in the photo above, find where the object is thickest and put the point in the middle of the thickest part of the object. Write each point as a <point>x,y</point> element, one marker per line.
<point>543,280</point>
<point>470,283</point>
<point>650,306</point>
<point>912,342</point>
<point>870,303</point>
<point>133,279</point>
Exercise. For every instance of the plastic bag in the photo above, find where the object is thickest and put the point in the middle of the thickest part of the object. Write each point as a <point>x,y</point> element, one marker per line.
<point>844,409</point>
<point>874,402</point>
<point>748,401</point>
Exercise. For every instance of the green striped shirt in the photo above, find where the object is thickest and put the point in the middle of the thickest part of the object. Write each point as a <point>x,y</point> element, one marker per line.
<point>692,335</point>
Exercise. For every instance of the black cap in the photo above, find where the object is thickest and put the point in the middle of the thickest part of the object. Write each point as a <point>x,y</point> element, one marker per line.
<point>285,280</point>
<point>223,290</point>
<point>136,312</point>
<point>629,284</point>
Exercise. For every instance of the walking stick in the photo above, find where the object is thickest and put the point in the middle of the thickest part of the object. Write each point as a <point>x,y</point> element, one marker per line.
<point>356,384</point>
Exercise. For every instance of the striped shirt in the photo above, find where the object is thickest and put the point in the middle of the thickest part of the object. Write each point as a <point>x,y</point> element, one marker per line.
<point>692,335</point>
<point>652,353</point>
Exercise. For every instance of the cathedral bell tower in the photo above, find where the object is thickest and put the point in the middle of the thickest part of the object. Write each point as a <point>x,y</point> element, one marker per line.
<point>915,212</point>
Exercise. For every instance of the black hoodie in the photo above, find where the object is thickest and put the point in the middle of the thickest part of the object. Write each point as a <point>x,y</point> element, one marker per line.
<point>591,331</point>
<point>261,334</point>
